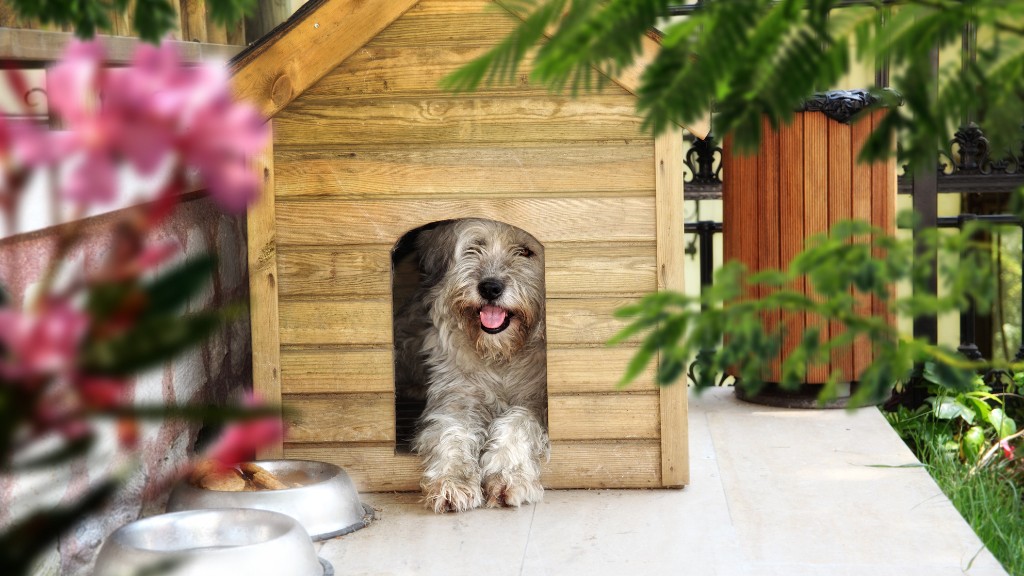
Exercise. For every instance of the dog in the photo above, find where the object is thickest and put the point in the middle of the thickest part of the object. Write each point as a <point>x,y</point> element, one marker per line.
<point>471,343</point>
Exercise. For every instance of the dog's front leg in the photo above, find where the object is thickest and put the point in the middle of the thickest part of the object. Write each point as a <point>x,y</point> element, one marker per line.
<point>516,443</point>
<point>450,446</point>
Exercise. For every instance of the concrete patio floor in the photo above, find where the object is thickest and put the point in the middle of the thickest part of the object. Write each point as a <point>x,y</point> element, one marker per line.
<point>773,491</point>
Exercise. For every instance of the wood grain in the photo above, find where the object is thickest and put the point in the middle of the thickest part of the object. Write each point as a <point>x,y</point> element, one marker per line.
<point>384,69</point>
<point>487,171</point>
<point>271,76</point>
<point>581,322</point>
<point>336,370</point>
<point>791,207</point>
<point>350,322</point>
<point>816,212</point>
<point>604,464</point>
<point>330,222</point>
<point>599,269</point>
<point>582,370</point>
<point>193,20</point>
<point>339,417</point>
<point>264,316</point>
<point>672,425</point>
<point>840,207</point>
<point>357,271</point>
<point>604,416</point>
<point>364,270</point>
<point>769,229</point>
<point>861,210</point>
<point>458,119</point>
<point>372,467</point>
<point>573,464</point>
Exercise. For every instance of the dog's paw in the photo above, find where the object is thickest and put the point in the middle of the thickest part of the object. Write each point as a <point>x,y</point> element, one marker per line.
<point>512,489</point>
<point>453,494</point>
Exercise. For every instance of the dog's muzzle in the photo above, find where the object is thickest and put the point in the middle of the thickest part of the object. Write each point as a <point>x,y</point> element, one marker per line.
<point>493,319</point>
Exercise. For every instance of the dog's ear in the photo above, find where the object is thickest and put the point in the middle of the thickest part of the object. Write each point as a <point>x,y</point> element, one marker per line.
<point>436,249</point>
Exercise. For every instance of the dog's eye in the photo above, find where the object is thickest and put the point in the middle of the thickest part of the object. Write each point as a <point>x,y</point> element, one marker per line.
<point>524,252</point>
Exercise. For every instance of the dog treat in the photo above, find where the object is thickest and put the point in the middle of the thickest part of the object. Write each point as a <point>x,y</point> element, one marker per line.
<point>261,478</point>
<point>229,481</point>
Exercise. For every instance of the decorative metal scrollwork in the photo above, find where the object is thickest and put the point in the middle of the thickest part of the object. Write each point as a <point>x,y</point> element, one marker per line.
<point>702,168</point>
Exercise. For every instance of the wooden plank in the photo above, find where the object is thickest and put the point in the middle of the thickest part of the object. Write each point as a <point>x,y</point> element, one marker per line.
<point>604,464</point>
<point>193,20</point>
<point>372,467</point>
<point>46,46</point>
<point>791,204</point>
<point>331,222</point>
<point>458,119</point>
<point>263,318</point>
<point>431,24</point>
<point>488,171</point>
<point>583,370</point>
<point>581,322</point>
<point>383,69</point>
<point>840,207</point>
<point>604,416</point>
<point>573,464</point>
<point>883,211</point>
<point>367,323</point>
<point>861,210</point>
<point>604,269</point>
<point>349,322</point>
<point>768,230</point>
<point>216,33</point>
<point>336,370</point>
<point>631,77</point>
<point>271,76</point>
<point>359,271</point>
<point>816,212</point>
<point>339,417</point>
<point>236,33</point>
<point>675,468</point>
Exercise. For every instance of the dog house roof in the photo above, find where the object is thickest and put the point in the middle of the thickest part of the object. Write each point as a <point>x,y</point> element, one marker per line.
<point>321,34</point>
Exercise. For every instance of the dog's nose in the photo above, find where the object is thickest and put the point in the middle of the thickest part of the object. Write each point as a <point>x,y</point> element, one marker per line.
<point>490,288</point>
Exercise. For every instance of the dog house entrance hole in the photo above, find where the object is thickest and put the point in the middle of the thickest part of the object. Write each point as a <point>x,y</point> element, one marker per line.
<point>420,260</point>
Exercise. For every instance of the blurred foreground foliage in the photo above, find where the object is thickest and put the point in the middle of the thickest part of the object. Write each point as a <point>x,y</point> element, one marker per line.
<point>151,19</point>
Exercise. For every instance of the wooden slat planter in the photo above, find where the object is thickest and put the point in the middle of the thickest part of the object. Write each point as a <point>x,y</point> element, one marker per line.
<point>803,179</point>
<point>366,147</point>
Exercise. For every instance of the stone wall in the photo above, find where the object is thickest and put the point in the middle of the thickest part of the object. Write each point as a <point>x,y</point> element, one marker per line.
<point>214,372</point>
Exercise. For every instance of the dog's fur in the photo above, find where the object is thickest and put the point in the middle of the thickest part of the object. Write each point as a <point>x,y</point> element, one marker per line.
<point>474,334</point>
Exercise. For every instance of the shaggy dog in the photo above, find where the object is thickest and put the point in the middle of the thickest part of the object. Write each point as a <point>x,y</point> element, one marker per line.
<point>474,335</point>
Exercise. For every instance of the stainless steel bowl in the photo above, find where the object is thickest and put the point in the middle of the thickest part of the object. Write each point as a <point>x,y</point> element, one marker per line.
<point>211,543</point>
<point>326,503</point>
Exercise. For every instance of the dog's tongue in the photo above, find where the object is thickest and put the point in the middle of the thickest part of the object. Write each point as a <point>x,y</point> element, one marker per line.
<point>492,316</point>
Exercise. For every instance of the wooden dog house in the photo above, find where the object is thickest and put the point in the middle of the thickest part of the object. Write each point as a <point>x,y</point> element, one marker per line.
<point>366,147</point>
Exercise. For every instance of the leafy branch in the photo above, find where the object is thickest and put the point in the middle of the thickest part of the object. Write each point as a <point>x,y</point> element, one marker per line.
<point>853,263</point>
<point>749,59</point>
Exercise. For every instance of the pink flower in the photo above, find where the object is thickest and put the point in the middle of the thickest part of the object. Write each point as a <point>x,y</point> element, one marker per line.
<point>44,343</point>
<point>1007,449</point>
<point>154,109</point>
<point>241,440</point>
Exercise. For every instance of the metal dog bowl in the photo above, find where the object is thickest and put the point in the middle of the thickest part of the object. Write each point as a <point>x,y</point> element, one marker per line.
<point>211,542</point>
<point>326,502</point>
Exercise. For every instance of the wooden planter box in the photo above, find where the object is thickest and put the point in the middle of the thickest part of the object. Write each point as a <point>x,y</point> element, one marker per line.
<point>803,179</point>
<point>366,148</point>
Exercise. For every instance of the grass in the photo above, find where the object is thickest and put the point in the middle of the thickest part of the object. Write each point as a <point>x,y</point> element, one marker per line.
<point>990,499</point>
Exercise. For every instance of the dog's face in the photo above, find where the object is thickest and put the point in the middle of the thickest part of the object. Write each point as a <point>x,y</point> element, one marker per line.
<point>489,278</point>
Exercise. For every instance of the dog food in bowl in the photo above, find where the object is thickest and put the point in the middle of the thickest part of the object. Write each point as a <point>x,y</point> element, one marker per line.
<point>317,494</point>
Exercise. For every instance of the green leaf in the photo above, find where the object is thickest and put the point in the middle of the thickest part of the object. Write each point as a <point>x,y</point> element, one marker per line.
<point>1004,425</point>
<point>171,290</point>
<point>973,443</point>
<point>151,341</point>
